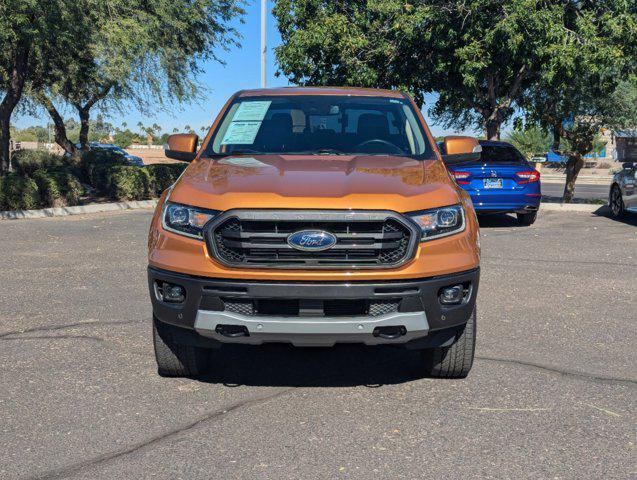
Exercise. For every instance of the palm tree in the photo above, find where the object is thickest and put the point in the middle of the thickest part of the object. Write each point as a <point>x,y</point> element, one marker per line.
<point>531,141</point>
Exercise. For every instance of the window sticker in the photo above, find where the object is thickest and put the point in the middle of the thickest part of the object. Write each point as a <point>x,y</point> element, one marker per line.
<point>246,123</point>
<point>241,133</point>
<point>251,111</point>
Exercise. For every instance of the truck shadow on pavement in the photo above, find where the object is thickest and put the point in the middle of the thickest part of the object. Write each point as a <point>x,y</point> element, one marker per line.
<point>277,365</point>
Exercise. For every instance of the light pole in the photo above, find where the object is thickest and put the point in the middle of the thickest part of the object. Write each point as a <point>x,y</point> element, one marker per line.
<point>263,45</point>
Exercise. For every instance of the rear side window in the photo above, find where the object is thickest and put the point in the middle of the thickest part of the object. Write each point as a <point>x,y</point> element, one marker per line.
<point>503,154</point>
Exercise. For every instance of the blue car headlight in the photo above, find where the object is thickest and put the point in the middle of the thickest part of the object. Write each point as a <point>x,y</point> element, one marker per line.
<point>186,220</point>
<point>439,222</point>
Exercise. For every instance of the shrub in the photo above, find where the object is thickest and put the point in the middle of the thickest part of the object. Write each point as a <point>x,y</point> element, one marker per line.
<point>26,162</point>
<point>165,175</point>
<point>141,183</point>
<point>19,193</point>
<point>97,165</point>
<point>58,187</point>
<point>128,183</point>
<point>71,188</point>
<point>50,194</point>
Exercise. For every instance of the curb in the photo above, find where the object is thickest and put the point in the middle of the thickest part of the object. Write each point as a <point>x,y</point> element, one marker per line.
<point>571,207</point>
<point>77,210</point>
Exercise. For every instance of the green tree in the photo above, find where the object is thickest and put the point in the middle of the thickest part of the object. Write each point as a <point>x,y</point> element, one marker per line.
<point>478,55</point>
<point>124,138</point>
<point>530,141</point>
<point>141,52</point>
<point>588,84</point>
<point>149,132</point>
<point>37,40</point>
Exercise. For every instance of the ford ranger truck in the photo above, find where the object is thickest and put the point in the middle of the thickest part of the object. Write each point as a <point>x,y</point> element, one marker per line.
<point>315,216</point>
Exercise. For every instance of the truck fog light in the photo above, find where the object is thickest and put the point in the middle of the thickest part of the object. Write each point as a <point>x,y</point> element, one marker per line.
<point>451,295</point>
<point>169,292</point>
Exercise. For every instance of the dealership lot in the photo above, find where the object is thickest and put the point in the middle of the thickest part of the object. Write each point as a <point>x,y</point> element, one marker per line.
<point>552,393</point>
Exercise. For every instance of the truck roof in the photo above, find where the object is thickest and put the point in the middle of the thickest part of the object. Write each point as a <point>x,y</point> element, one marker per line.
<point>369,92</point>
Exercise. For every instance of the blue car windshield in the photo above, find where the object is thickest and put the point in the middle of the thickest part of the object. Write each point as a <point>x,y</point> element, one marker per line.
<point>320,125</point>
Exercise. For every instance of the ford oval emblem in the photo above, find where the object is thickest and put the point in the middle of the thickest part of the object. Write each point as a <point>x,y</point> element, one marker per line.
<point>311,240</point>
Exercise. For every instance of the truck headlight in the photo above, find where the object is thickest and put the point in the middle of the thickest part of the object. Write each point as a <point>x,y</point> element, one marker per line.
<point>439,222</point>
<point>186,220</point>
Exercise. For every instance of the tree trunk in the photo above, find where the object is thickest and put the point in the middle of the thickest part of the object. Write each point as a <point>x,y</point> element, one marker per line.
<point>17,78</point>
<point>574,164</point>
<point>84,113</point>
<point>5,137</point>
<point>58,122</point>
<point>492,128</point>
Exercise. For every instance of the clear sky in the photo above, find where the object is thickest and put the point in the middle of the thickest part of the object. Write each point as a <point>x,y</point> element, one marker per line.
<point>241,70</point>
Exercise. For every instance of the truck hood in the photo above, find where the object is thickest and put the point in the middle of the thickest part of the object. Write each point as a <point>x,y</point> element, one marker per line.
<point>309,181</point>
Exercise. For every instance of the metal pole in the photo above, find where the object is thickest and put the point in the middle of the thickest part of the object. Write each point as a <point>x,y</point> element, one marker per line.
<point>263,45</point>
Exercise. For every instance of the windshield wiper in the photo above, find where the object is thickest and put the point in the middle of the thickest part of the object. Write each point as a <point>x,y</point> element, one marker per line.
<point>243,151</point>
<point>320,151</point>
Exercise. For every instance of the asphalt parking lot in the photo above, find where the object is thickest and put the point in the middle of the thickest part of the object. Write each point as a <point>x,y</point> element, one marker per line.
<point>552,393</point>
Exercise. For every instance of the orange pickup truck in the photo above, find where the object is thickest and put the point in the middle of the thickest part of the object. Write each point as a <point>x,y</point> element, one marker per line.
<point>315,216</point>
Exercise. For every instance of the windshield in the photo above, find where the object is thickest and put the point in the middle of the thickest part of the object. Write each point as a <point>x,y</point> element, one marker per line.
<point>501,154</point>
<point>320,125</point>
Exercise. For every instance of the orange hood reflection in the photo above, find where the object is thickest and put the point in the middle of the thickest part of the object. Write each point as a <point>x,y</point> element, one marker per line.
<point>309,181</point>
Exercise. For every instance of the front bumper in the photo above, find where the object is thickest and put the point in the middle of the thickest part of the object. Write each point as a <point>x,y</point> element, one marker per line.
<point>419,313</point>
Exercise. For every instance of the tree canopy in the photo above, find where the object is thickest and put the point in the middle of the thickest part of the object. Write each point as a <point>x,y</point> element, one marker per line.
<point>478,55</point>
<point>145,52</point>
<point>589,80</point>
<point>38,39</point>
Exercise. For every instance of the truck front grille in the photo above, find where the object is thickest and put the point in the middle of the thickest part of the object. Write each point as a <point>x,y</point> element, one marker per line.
<point>258,238</point>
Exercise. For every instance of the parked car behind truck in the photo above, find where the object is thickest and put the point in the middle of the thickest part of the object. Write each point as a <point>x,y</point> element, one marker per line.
<point>315,216</point>
<point>623,192</point>
<point>501,181</point>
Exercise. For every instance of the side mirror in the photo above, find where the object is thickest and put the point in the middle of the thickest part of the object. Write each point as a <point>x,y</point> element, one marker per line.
<point>460,149</point>
<point>628,165</point>
<point>182,146</point>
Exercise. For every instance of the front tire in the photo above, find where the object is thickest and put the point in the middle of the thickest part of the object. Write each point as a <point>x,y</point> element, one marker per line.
<point>175,359</point>
<point>527,219</point>
<point>454,361</point>
<point>617,208</point>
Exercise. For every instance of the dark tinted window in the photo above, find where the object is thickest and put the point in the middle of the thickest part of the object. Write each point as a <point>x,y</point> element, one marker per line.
<point>503,154</point>
<point>319,124</point>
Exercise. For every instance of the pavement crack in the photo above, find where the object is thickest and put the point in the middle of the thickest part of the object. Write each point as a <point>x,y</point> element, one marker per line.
<point>52,328</point>
<point>568,373</point>
<point>216,415</point>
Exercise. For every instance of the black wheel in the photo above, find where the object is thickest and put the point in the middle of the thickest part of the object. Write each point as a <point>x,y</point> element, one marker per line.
<point>527,219</point>
<point>616,202</point>
<point>174,359</point>
<point>456,360</point>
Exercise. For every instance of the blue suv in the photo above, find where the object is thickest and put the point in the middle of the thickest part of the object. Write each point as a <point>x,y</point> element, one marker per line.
<point>502,181</point>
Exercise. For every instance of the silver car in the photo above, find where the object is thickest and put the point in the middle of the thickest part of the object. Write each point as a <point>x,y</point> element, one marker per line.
<point>623,193</point>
